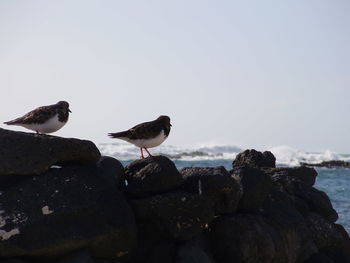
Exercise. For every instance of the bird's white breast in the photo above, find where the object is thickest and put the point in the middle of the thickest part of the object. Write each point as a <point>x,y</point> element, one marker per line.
<point>149,143</point>
<point>51,125</point>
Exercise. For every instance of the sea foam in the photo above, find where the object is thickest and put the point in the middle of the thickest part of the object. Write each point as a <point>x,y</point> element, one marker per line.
<point>285,155</point>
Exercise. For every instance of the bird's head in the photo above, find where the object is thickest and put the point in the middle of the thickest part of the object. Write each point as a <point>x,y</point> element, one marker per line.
<point>165,120</point>
<point>64,105</point>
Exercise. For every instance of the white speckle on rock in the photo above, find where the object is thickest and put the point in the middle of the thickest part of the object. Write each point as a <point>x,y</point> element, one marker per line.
<point>19,218</point>
<point>46,210</point>
<point>178,225</point>
<point>6,235</point>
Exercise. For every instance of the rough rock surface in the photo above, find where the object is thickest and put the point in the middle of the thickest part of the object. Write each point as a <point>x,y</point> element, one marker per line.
<point>242,238</point>
<point>319,258</point>
<point>254,158</point>
<point>112,171</point>
<point>152,175</point>
<point>330,239</point>
<point>302,173</point>
<point>305,197</point>
<point>80,256</point>
<point>177,215</point>
<point>192,252</point>
<point>253,238</point>
<point>85,212</point>
<point>29,153</point>
<point>215,183</point>
<point>63,210</point>
<point>256,186</point>
<point>153,250</point>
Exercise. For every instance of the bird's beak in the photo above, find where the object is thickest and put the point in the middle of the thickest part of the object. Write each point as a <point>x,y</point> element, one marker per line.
<point>69,110</point>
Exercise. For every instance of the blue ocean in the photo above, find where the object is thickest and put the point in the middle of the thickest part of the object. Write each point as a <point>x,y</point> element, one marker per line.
<point>335,182</point>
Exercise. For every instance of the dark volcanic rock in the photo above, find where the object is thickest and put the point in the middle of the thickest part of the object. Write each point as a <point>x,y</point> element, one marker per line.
<point>179,216</point>
<point>215,183</point>
<point>256,186</point>
<point>14,261</point>
<point>254,158</point>
<point>81,256</point>
<point>64,210</point>
<point>153,250</point>
<point>111,170</point>
<point>292,237</point>
<point>305,197</point>
<point>191,252</point>
<point>243,238</point>
<point>252,238</point>
<point>319,258</point>
<point>28,153</point>
<point>152,175</point>
<point>78,213</point>
<point>329,164</point>
<point>329,238</point>
<point>305,174</point>
<point>302,173</point>
<point>319,202</point>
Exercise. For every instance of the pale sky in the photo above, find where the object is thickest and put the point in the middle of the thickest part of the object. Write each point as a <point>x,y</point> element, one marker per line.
<point>255,74</point>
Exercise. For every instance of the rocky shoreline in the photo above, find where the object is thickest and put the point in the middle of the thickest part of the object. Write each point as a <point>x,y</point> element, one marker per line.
<point>61,201</point>
<point>329,164</point>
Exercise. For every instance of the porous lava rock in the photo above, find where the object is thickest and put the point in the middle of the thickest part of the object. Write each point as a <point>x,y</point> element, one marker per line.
<point>112,171</point>
<point>254,158</point>
<point>152,175</point>
<point>192,252</point>
<point>304,174</point>
<point>253,238</point>
<point>215,183</point>
<point>305,197</point>
<point>87,212</point>
<point>63,210</point>
<point>176,215</point>
<point>256,186</point>
<point>24,153</point>
<point>331,239</point>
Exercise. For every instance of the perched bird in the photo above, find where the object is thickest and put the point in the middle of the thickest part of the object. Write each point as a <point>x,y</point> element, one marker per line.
<point>146,135</point>
<point>45,119</point>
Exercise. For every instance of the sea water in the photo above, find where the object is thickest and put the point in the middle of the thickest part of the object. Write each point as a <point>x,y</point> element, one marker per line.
<point>334,182</point>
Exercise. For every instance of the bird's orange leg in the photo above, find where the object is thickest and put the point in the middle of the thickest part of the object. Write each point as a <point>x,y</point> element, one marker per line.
<point>141,153</point>
<point>148,152</point>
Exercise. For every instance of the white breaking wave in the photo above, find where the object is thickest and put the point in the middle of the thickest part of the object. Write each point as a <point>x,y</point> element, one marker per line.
<point>285,155</point>
<point>126,151</point>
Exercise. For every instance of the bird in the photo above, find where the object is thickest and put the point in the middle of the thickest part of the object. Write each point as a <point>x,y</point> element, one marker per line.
<point>147,134</point>
<point>44,119</point>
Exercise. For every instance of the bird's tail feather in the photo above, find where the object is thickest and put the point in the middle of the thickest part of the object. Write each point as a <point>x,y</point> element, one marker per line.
<point>10,122</point>
<point>118,134</point>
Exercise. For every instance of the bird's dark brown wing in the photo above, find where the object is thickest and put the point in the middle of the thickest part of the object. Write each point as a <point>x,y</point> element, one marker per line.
<point>144,130</point>
<point>39,115</point>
